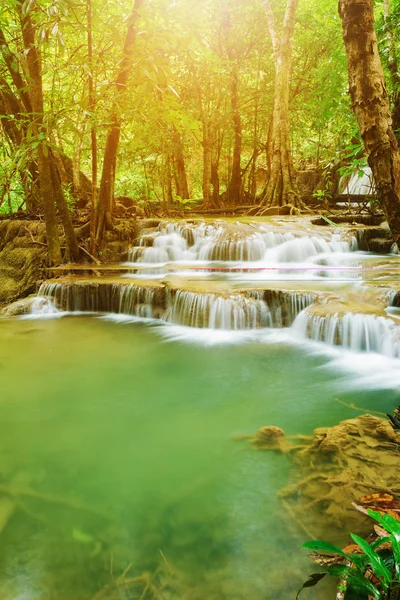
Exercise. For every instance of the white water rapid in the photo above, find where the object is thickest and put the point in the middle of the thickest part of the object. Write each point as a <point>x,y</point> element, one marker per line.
<point>245,277</point>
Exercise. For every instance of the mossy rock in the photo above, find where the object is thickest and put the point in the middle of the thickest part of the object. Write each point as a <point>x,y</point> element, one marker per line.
<point>20,307</point>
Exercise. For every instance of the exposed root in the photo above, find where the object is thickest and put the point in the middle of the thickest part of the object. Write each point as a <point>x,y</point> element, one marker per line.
<point>75,505</point>
<point>336,467</point>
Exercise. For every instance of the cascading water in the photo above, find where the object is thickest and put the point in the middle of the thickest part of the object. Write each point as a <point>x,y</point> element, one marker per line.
<point>177,242</point>
<point>250,310</point>
<point>236,312</point>
<point>43,305</point>
<point>277,256</point>
<point>102,298</point>
<point>360,183</point>
<point>355,331</point>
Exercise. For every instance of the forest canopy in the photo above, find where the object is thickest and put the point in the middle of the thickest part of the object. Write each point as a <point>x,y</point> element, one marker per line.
<point>186,91</point>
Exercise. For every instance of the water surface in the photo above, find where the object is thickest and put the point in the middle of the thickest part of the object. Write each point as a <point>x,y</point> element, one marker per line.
<point>134,431</point>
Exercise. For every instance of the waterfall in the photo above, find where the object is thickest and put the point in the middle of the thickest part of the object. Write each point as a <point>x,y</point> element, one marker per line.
<point>231,243</point>
<point>246,310</point>
<point>302,248</point>
<point>43,305</point>
<point>356,331</point>
<point>358,185</point>
<point>103,298</point>
<point>236,312</point>
<point>394,298</point>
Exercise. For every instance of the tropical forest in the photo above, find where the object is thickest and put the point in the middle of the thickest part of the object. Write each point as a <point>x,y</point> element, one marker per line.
<point>199,300</point>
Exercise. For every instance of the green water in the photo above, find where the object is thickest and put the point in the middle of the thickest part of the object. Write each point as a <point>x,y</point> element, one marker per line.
<point>140,431</point>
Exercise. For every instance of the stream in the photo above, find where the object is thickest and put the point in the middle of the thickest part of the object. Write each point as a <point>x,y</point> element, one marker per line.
<point>122,411</point>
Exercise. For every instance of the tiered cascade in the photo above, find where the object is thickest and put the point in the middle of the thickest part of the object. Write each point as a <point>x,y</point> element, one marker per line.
<point>103,297</point>
<point>356,331</point>
<point>177,242</point>
<point>203,292</point>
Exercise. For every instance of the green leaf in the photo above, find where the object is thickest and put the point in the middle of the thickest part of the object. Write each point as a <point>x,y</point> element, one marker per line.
<point>388,522</point>
<point>329,221</point>
<point>311,581</point>
<point>355,579</point>
<point>323,548</point>
<point>376,562</point>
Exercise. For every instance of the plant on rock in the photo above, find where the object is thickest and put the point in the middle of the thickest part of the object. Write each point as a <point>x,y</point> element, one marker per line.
<point>366,569</point>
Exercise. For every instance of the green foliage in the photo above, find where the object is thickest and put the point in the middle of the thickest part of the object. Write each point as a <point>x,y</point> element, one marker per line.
<point>181,81</point>
<point>351,569</point>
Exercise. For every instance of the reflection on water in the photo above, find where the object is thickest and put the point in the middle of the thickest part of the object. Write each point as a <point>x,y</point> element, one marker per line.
<point>128,445</point>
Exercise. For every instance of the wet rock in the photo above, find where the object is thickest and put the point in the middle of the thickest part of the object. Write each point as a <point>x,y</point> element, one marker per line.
<point>379,245</point>
<point>308,181</point>
<point>269,436</point>
<point>25,306</point>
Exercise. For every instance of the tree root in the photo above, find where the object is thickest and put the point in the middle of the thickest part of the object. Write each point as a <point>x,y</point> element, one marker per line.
<point>292,513</point>
<point>337,466</point>
<point>75,505</point>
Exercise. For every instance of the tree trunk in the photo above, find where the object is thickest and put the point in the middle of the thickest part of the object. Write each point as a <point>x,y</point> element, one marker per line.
<point>206,167</point>
<point>33,60</point>
<point>70,236</point>
<point>235,184</point>
<point>93,132</point>
<point>215,160</point>
<point>167,180</point>
<point>180,177</point>
<point>281,188</point>
<point>371,105</point>
<point>393,66</point>
<point>106,192</point>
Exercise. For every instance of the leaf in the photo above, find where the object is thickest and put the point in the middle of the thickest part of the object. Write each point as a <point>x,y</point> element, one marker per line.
<point>361,584</point>
<point>174,91</point>
<point>352,548</point>
<point>376,562</point>
<point>355,579</point>
<point>311,581</point>
<point>387,521</point>
<point>380,532</point>
<point>329,221</point>
<point>374,498</point>
<point>392,525</point>
<point>323,548</point>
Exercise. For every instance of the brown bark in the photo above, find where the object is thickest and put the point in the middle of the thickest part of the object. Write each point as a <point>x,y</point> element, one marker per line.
<point>93,132</point>
<point>180,177</point>
<point>33,60</point>
<point>14,127</point>
<point>235,183</point>
<point>106,192</point>
<point>215,160</point>
<point>70,236</point>
<point>12,65</point>
<point>393,66</point>
<point>207,146</point>
<point>281,186</point>
<point>370,104</point>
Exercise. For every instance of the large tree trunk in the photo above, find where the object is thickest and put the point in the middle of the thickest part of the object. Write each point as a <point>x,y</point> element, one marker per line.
<point>393,66</point>
<point>33,60</point>
<point>281,187</point>
<point>235,185</point>
<point>106,192</point>
<point>371,105</point>
<point>93,132</point>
